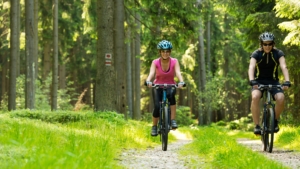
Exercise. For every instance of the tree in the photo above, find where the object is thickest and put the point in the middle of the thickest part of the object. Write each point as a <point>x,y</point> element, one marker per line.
<point>137,88</point>
<point>119,56</point>
<point>14,51</point>
<point>31,34</point>
<point>55,56</point>
<point>105,79</point>
<point>201,66</point>
<point>290,10</point>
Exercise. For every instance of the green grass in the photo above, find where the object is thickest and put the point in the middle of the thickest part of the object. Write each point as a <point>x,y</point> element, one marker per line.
<point>218,149</point>
<point>91,143</point>
<point>67,139</point>
<point>288,137</point>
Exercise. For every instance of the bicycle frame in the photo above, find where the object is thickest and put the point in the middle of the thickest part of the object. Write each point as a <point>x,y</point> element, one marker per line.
<point>268,119</point>
<point>164,118</point>
<point>164,122</point>
<point>267,104</point>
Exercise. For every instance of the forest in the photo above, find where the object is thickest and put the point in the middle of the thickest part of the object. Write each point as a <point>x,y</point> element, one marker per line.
<point>96,55</point>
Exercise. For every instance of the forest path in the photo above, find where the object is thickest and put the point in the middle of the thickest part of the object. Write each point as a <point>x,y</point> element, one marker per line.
<point>156,157</point>
<point>287,157</point>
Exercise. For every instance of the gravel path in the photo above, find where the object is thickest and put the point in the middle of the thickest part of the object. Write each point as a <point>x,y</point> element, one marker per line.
<point>287,157</point>
<point>149,158</point>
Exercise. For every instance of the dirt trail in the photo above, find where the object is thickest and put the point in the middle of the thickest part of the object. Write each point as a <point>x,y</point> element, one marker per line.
<point>149,158</point>
<point>287,157</point>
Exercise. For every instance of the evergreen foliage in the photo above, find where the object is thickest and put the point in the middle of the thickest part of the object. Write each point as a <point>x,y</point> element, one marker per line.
<point>234,29</point>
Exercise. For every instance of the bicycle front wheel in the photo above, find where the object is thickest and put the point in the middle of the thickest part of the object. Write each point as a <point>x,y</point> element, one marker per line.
<point>165,128</point>
<point>271,128</point>
<point>268,133</point>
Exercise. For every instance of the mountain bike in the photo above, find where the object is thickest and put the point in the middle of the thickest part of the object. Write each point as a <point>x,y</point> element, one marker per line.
<point>268,118</point>
<point>164,122</point>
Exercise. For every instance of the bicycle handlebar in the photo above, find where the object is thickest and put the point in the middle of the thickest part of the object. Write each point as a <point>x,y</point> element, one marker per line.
<point>264,87</point>
<point>164,85</point>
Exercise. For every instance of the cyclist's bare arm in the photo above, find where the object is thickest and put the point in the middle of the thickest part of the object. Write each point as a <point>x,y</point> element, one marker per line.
<point>284,70</point>
<point>178,73</point>
<point>251,68</point>
<point>151,74</point>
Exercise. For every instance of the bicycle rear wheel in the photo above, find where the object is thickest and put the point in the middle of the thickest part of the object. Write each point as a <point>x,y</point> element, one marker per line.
<point>268,133</point>
<point>165,128</point>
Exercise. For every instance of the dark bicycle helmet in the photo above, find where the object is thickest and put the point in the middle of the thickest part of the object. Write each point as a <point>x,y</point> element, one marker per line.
<point>164,45</point>
<point>267,36</point>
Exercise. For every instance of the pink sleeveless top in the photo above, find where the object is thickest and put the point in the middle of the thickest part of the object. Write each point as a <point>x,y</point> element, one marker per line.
<point>162,77</point>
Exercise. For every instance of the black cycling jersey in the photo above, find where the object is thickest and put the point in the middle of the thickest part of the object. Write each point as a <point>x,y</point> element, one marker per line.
<point>267,64</point>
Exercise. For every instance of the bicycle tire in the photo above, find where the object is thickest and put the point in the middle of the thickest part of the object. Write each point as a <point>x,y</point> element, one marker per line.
<point>264,134</point>
<point>268,130</point>
<point>271,128</point>
<point>165,129</point>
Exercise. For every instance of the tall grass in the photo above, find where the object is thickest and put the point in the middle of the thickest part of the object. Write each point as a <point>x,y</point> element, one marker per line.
<point>288,137</point>
<point>216,149</point>
<point>93,143</point>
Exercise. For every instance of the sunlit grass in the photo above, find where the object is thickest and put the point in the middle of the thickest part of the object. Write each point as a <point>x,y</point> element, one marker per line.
<point>93,143</point>
<point>213,148</point>
<point>288,137</point>
<point>97,140</point>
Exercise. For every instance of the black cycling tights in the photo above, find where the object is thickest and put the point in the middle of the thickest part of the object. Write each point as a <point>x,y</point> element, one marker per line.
<point>157,98</point>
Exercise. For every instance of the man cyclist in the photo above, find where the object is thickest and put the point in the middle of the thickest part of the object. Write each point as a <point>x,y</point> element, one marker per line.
<point>164,69</point>
<point>263,69</point>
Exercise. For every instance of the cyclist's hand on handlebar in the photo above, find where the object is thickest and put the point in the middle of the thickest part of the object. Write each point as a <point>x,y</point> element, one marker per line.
<point>254,84</point>
<point>149,84</point>
<point>181,84</point>
<point>286,85</point>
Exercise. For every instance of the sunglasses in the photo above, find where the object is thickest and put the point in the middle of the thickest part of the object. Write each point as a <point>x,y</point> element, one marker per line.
<point>165,51</point>
<point>267,44</point>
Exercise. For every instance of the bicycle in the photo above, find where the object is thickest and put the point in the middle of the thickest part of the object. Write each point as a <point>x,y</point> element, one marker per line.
<point>268,118</point>
<point>164,122</point>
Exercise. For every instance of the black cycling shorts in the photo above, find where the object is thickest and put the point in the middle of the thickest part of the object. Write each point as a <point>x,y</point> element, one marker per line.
<point>157,98</point>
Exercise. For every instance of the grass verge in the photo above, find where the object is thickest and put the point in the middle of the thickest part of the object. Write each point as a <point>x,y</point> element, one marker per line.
<point>214,148</point>
<point>94,141</point>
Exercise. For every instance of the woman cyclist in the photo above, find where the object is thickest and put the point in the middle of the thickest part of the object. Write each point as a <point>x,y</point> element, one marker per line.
<point>164,69</point>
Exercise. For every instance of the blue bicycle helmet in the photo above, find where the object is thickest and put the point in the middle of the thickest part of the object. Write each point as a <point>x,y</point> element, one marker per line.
<point>164,45</point>
<point>266,36</point>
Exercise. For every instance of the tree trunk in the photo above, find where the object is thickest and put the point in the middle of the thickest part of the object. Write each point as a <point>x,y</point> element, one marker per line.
<point>4,79</point>
<point>55,57</point>
<point>47,60</point>
<point>36,38</point>
<point>209,114</point>
<point>14,52</point>
<point>129,73</point>
<point>119,56</point>
<point>133,71</point>
<point>105,99</point>
<point>62,76</point>
<point>31,33</point>
<point>227,111</point>
<point>137,97</point>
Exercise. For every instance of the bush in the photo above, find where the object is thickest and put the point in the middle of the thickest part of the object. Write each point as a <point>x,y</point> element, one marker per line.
<point>52,117</point>
<point>221,123</point>
<point>183,116</point>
